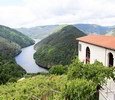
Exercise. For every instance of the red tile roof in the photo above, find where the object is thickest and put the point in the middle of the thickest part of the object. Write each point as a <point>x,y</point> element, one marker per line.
<point>99,40</point>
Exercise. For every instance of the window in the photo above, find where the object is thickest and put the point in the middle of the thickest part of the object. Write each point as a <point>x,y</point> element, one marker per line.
<point>87,55</point>
<point>79,46</point>
<point>110,59</point>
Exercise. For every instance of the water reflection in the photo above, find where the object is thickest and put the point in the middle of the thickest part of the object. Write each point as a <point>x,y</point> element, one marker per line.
<point>26,61</point>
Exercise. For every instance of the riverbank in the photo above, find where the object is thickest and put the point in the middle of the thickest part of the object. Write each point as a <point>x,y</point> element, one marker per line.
<point>42,66</point>
<point>26,60</point>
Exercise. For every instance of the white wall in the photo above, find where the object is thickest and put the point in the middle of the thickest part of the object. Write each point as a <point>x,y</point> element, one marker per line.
<point>96,53</point>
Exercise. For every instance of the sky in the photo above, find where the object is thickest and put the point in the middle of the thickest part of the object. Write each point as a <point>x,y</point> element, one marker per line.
<point>30,13</point>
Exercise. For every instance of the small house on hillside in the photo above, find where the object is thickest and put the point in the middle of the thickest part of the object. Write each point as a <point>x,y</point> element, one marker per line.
<point>100,48</point>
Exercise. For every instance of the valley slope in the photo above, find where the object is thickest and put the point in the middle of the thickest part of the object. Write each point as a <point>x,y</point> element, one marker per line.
<point>15,36</point>
<point>58,48</point>
<point>11,42</point>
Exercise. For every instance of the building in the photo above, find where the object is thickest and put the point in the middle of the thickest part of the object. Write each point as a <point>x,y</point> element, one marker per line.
<point>100,48</point>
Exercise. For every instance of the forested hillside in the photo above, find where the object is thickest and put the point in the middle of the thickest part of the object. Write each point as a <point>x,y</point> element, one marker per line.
<point>9,70</point>
<point>11,42</point>
<point>58,48</point>
<point>15,36</point>
<point>8,47</point>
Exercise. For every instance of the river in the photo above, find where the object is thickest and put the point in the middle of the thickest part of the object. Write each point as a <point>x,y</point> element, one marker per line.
<point>26,61</point>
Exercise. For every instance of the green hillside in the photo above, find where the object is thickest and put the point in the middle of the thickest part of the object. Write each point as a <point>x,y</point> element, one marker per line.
<point>9,70</point>
<point>15,36</point>
<point>58,48</point>
<point>9,48</point>
<point>11,42</point>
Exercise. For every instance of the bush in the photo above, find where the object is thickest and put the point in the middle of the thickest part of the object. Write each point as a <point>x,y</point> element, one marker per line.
<point>95,72</point>
<point>79,89</point>
<point>58,70</point>
<point>75,69</point>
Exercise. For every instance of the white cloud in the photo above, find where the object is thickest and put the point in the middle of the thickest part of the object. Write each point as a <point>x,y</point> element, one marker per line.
<point>44,12</point>
<point>15,15</point>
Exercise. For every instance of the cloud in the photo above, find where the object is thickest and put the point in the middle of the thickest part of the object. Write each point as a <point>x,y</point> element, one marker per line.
<point>44,12</point>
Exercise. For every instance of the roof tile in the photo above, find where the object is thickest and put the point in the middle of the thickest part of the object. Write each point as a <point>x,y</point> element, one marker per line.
<point>99,40</point>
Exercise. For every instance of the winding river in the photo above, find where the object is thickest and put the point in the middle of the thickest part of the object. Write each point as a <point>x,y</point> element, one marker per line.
<point>26,61</point>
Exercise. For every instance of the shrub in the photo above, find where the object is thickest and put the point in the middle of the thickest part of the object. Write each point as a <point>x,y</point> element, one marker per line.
<point>58,70</point>
<point>95,72</point>
<point>79,89</point>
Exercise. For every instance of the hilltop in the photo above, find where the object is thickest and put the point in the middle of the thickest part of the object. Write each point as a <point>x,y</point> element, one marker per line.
<point>58,48</point>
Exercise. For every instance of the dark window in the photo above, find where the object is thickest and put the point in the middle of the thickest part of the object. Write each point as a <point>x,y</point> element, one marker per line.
<point>110,59</point>
<point>87,55</point>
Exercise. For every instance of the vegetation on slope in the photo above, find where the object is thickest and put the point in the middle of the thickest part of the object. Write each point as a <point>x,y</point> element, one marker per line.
<point>11,42</point>
<point>8,47</point>
<point>58,48</point>
<point>15,36</point>
<point>9,70</point>
<point>79,82</point>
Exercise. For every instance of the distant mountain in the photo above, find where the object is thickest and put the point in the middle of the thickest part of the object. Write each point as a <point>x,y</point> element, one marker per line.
<point>38,31</point>
<point>44,31</point>
<point>111,33</point>
<point>15,36</point>
<point>58,48</point>
<point>93,28</point>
